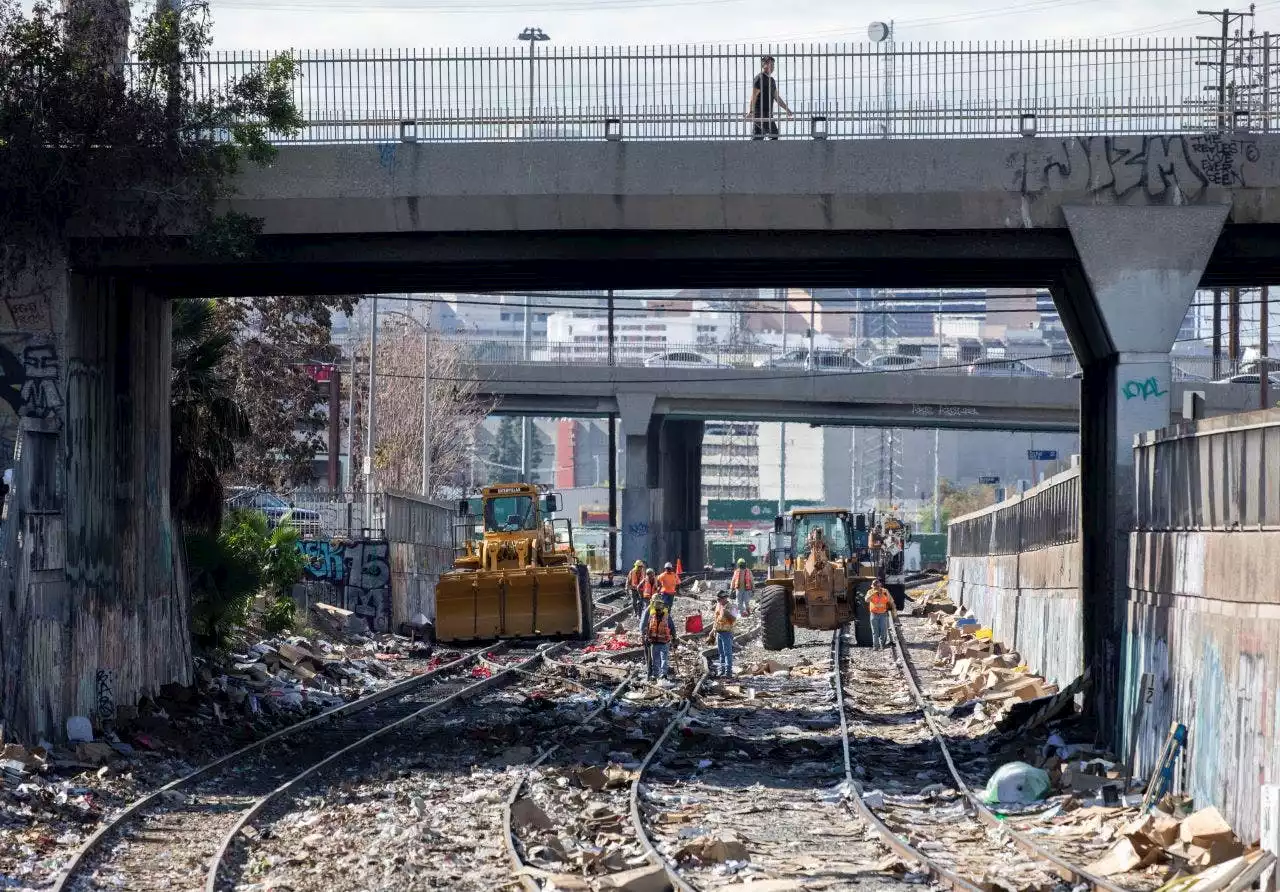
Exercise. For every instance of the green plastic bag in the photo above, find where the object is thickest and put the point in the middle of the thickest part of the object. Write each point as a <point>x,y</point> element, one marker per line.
<point>1016,782</point>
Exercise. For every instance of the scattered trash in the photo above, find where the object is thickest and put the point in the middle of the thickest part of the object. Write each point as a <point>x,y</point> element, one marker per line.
<point>1017,782</point>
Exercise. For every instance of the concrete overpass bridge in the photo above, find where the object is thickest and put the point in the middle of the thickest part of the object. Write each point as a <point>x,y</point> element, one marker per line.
<point>1122,228</point>
<point>868,399</point>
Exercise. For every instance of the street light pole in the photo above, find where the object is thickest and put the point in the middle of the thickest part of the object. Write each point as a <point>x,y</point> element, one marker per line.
<point>534,36</point>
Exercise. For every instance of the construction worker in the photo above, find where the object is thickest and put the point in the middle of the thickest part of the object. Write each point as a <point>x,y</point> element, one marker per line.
<point>875,542</point>
<point>660,634</point>
<point>669,580</point>
<point>725,617</point>
<point>880,602</point>
<point>635,579</point>
<point>742,585</point>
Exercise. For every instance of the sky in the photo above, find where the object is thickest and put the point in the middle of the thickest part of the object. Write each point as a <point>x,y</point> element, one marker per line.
<point>370,24</point>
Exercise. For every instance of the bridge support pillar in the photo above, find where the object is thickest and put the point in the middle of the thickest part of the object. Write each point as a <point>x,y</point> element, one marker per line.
<point>94,609</point>
<point>1141,267</point>
<point>661,504</point>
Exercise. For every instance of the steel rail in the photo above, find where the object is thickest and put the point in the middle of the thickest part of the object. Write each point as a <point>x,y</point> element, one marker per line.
<point>117,822</point>
<point>898,844</point>
<point>1061,866</point>
<point>637,821</point>
<point>521,869</point>
<point>503,675</point>
<point>406,687</point>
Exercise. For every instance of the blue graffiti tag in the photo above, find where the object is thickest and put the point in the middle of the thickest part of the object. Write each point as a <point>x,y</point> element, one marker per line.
<point>1145,389</point>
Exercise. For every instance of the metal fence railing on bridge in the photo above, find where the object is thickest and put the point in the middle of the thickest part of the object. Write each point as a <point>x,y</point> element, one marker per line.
<point>1043,516</point>
<point>902,90</point>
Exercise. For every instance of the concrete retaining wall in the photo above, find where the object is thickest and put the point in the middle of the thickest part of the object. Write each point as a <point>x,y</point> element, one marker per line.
<point>1204,608</point>
<point>1016,566</point>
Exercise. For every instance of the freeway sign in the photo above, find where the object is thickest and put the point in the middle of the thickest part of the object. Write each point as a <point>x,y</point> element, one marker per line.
<point>988,481</point>
<point>1042,455</point>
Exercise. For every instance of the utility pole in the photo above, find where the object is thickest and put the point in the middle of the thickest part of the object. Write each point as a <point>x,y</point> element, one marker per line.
<point>1217,333</point>
<point>612,357</point>
<point>349,482</point>
<point>813,365</point>
<point>782,469</point>
<point>335,425</point>
<point>613,490</point>
<point>526,429</point>
<point>1223,42</point>
<point>1233,328</point>
<point>371,432</point>
<point>1264,348</point>
<point>937,501</point>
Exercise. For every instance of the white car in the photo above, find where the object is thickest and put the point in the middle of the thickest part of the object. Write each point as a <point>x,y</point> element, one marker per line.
<point>891,362</point>
<point>683,359</point>
<point>823,360</point>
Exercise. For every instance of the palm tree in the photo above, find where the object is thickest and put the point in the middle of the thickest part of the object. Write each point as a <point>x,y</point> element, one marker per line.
<point>206,420</point>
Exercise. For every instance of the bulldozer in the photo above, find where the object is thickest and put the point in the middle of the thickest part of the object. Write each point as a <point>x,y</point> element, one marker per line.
<point>515,574</point>
<point>816,580</point>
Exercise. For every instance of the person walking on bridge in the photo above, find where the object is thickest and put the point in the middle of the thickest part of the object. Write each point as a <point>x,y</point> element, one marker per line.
<point>635,579</point>
<point>743,585</point>
<point>669,580</point>
<point>764,93</point>
<point>725,618</point>
<point>880,603</point>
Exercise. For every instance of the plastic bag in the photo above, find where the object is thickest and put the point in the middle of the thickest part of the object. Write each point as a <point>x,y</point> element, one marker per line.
<point>1016,782</point>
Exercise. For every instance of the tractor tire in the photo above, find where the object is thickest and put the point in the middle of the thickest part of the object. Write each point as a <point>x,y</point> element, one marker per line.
<point>587,632</point>
<point>861,619</point>
<point>898,592</point>
<point>774,610</point>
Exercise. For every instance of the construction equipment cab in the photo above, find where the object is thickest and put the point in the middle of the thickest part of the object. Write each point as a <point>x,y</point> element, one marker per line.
<point>823,585</point>
<point>516,574</point>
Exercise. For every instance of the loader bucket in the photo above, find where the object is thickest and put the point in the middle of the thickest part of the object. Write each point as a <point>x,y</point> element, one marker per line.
<point>518,603</point>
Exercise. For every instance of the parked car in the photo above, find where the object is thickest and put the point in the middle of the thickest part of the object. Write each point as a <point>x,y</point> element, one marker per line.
<point>305,520</point>
<point>1007,368</point>
<point>1250,378</point>
<point>891,362</point>
<point>683,359</point>
<point>823,361</point>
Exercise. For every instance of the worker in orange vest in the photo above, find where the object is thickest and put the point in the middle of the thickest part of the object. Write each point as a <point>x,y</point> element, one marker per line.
<point>880,603</point>
<point>659,635</point>
<point>635,579</point>
<point>669,580</point>
<point>742,585</point>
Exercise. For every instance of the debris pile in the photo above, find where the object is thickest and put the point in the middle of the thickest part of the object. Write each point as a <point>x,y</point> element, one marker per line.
<point>1200,847</point>
<point>983,670</point>
<point>53,797</point>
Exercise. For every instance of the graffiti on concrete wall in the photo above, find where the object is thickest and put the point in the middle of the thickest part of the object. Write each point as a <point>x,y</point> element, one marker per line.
<point>1159,167</point>
<point>359,571</point>
<point>1148,389</point>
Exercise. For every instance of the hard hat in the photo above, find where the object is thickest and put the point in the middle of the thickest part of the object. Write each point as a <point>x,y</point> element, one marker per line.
<point>651,572</point>
<point>742,562</point>
<point>639,563</point>
<point>722,596</point>
<point>667,565</point>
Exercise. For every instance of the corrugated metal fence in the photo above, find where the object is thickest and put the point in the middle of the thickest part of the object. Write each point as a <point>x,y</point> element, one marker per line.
<point>420,535</point>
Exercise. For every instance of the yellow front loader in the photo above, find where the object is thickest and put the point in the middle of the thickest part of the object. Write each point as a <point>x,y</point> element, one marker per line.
<point>519,578</point>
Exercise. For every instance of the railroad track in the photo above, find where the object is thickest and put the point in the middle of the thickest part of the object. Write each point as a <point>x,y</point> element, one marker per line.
<point>951,834</point>
<point>179,835</point>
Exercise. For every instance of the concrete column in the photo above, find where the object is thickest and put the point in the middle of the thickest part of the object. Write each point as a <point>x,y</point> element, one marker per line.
<point>639,517</point>
<point>680,477</point>
<point>1141,267</point>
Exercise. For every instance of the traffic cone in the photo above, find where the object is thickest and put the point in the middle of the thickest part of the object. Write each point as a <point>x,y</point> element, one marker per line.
<point>679,567</point>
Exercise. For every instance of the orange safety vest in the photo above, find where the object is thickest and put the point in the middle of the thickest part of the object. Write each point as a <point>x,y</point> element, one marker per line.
<point>879,600</point>
<point>724,618</point>
<point>660,629</point>
<point>635,577</point>
<point>647,589</point>
<point>743,579</point>
<point>669,582</point>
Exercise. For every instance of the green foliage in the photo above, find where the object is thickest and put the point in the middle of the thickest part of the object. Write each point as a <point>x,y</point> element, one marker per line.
<point>206,418</point>
<point>228,570</point>
<point>506,451</point>
<point>956,502</point>
<point>141,147</point>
